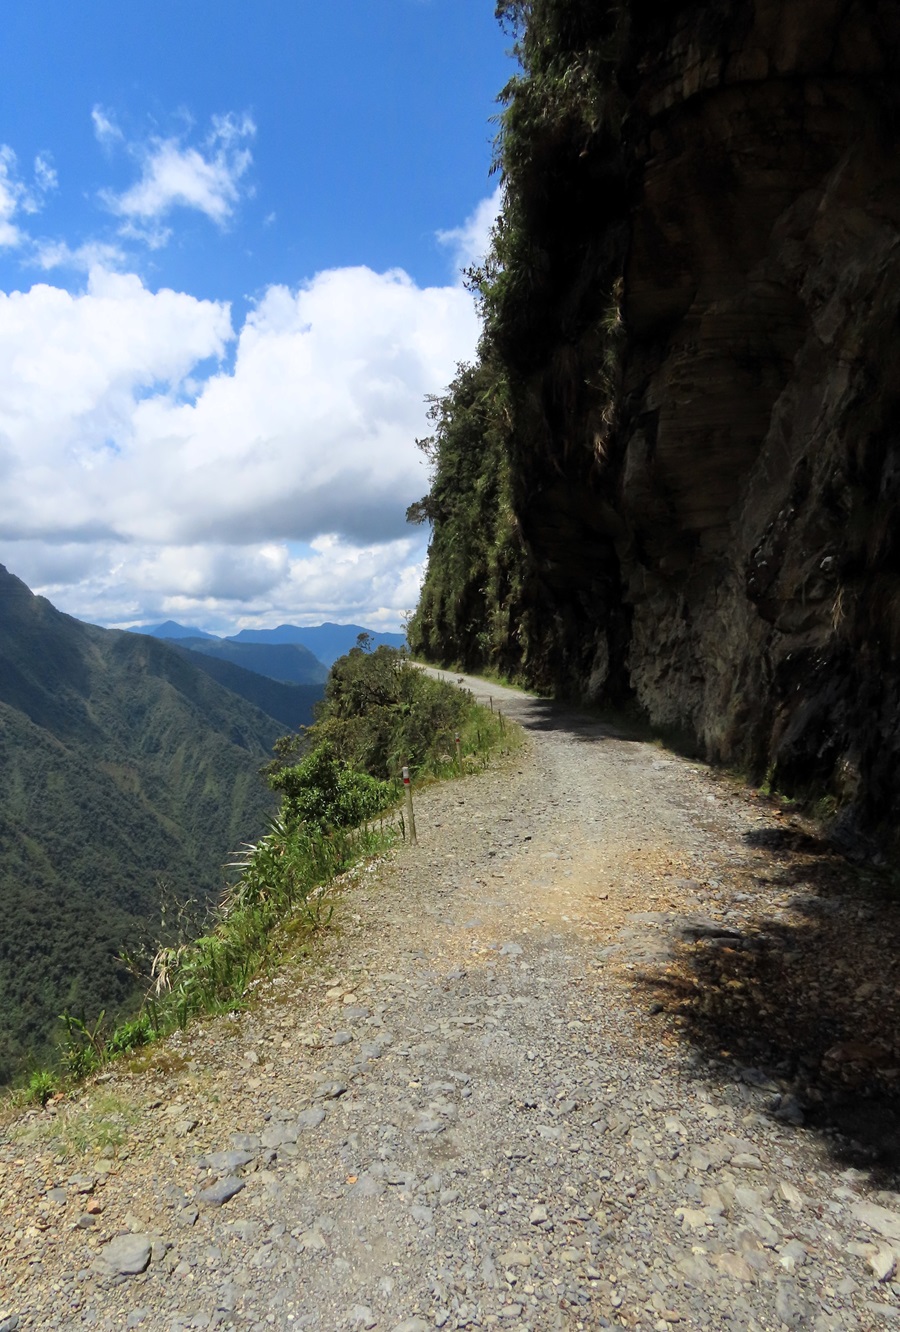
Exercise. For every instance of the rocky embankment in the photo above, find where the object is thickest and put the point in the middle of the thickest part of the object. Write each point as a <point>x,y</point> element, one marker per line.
<point>755,473</point>
<point>521,1087</point>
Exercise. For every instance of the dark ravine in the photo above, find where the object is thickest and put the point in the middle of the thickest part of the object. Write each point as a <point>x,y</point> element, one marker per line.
<point>710,526</point>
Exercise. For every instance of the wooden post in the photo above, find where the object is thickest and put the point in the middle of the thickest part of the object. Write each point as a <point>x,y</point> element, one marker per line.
<point>407,788</point>
<point>458,744</point>
<point>500,715</point>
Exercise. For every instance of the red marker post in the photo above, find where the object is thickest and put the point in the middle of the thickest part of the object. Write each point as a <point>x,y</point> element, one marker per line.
<point>407,790</point>
<point>458,744</point>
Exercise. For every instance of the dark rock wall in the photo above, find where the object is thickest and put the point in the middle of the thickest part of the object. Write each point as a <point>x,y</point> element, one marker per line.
<point>716,534</point>
<point>756,462</point>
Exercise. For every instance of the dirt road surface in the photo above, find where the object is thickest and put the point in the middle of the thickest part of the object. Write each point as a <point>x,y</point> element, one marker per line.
<point>517,1089</point>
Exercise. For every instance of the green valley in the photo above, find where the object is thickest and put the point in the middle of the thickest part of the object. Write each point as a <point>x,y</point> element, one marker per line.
<point>127,776</point>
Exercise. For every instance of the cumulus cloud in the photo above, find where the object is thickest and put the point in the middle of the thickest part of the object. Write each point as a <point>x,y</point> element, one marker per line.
<point>175,174</point>
<point>470,243</point>
<point>142,474</point>
<point>226,588</point>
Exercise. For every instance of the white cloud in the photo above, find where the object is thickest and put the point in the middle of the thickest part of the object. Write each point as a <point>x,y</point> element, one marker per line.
<point>469,243</point>
<point>93,254</point>
<point>10,235</point>
<point>225,588</point>
<point>106,130</point>
<point>174,174</point>
<point>135,481</point>
<point>44,174</point>
<point>17,197</point>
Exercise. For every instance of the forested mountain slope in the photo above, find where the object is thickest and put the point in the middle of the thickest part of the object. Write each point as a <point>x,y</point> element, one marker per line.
<point>122,768</point>
<point>673,474</point>
<point>291,663</point>
<point>291,704</point>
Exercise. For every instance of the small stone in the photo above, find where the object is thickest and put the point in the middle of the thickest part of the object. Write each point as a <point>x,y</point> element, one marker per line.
<point>791,1195</point>
<point>412,1325</point>
<point>511,950</point>
<point>538,1215</point>
<point>126,1255</point>
<point>312,1241</point>
<point>311,1118</point>
<point>228,1162</point>
<point>515,1258</point>
<point>187,1216</point>
<point>746,1161</point>
<point>220,1192</point>
<point>56,1196</point>
<point>246,1142</point>
<point>361,1316</point>
<point>280,1135</point>
<point>83,1183</point>
<point>790,1306</point>
<point>880,1219</point>
<point>342,1038</point>
<point>883,1263</point>
<point>788,1110</point>
<point>367,1187</point>
<point>329,1091</point>
<point>86,1221</point>
<point>429,1124</point>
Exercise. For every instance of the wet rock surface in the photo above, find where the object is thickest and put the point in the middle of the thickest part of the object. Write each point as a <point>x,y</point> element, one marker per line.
<point>470,1111</point>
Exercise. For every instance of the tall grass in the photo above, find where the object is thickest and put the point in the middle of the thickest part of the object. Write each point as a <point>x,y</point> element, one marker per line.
<point>339,787</point>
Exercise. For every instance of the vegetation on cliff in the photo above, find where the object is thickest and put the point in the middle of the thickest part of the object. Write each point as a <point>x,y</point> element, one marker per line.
<point>339,784</point>
<point>520,436</point>
<point>679,441</point>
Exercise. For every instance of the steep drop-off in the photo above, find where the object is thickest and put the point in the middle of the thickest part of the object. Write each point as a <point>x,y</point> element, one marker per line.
<point>704,411</point>
<point>127,776</point>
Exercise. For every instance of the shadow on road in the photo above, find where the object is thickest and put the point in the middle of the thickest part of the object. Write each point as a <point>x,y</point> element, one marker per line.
<point>807,994</point>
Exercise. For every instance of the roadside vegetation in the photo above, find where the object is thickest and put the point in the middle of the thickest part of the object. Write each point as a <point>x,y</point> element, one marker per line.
<point>340,787</point>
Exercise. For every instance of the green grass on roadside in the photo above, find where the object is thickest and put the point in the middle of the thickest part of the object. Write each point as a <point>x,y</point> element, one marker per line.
<point>340,787</point>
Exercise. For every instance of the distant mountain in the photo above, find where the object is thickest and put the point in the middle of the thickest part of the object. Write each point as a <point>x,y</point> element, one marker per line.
<point>291,704</point>
<point>171,629</point>
<point>327,641</point>
<point>291,663</point>
<point>122,767</point>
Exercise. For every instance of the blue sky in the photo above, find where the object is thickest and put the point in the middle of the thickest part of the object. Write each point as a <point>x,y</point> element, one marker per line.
<point>229,248</point>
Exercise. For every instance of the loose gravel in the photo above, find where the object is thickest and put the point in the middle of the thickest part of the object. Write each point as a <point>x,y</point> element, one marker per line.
<point>466,1111</point>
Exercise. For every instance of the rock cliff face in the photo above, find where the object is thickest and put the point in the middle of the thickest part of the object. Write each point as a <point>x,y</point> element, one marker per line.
<point>705,421</point>
<point>756,465</point>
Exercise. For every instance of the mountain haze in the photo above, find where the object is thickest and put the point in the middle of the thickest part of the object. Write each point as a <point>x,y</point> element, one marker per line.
<point>170,629</point>
<point>291,663</point>
<point>327,641</point>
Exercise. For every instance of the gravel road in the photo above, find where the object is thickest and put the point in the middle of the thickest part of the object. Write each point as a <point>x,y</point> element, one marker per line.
<point>470,1109</point>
